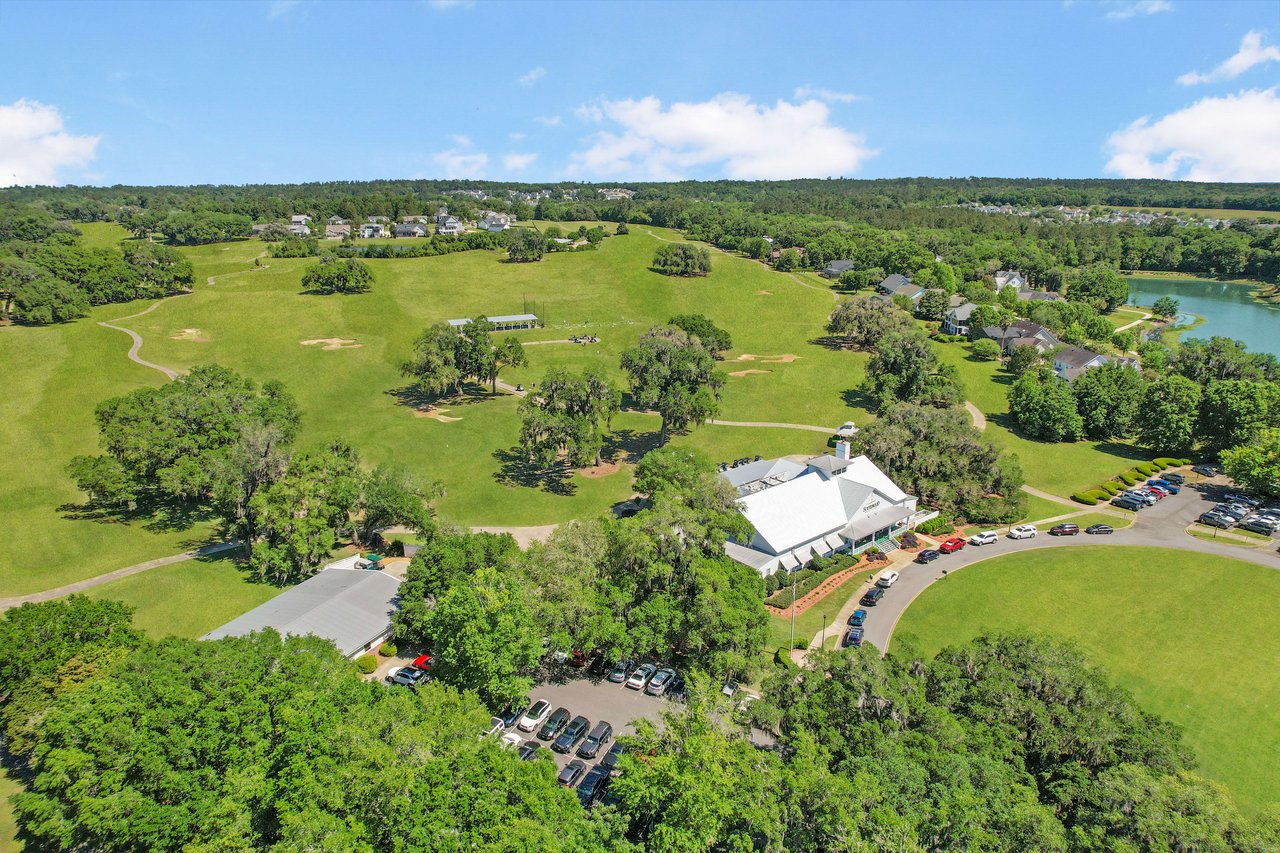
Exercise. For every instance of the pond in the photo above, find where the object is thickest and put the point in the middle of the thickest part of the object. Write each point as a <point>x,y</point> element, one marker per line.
<point>1229,309</point>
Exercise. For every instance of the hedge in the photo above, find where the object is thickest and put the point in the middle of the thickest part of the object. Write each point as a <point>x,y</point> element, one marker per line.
<point>941,524</point>
<point>388,650</point>
<point>1085,498</point>
<point>1128,479</point>
<point>807,580</point>
<point>367,664</point>
<point>1146,469</point>
<point>1112,488</point>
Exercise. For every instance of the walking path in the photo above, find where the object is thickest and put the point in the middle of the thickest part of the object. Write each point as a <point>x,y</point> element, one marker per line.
<point>137,339</point>
<point>1032,490</point>
<point>1145,318</point>
<point>137,568</point>
<point>979,419</point>
<point>810,427</point>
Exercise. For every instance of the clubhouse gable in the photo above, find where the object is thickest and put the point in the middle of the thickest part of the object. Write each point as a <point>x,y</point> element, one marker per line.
<point>816,508</point>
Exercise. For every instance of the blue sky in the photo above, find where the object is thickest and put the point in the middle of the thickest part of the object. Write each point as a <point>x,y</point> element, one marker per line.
<point>254,92</point>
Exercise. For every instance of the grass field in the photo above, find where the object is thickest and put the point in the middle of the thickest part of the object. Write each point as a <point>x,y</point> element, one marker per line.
<point>254,320</point>
<point>1059,468</point>
<point>809,623</point>
<point>1207,212</point>
<point>187,599</point>
<point>1205,661</point>
<point>8,827</point>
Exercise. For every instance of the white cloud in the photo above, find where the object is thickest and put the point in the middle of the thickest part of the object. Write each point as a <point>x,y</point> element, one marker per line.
<point>746,140</point>
<point>817,93</point>
<point>34,147</point>
<point>515,136</point>
<point>279,8</point>
<point>1122,10</point>
<point>549,121</point>
<point>1251,53</point>
<point>462,161</point>
<point>516,162</point>
<point>533,75</point>
<point>1232,138</point>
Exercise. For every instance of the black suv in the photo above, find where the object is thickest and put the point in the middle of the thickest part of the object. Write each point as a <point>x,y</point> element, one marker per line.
<point>554,724</point>
<point>871,597</point>
<point>572,733</point>
<point>599,737</point>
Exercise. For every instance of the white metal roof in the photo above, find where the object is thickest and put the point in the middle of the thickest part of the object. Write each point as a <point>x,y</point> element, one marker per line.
<point>504,318</point>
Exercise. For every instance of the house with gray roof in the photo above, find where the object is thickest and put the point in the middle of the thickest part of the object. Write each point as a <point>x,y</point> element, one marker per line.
<point>836,268</point>
<point>1023,332</point>
<point>1009,278</point>
<point>1039,296</point>
<point>900,285</point>
<point>956,321</point>
<point>450,226</point>
<point>369,230</point>
<point>410,229</point>
<point>1071,362</point>
<point>349,607</point>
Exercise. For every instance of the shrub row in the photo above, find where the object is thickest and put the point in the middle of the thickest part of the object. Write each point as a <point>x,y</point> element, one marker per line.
<point>941,524</point>
<point>388,650</point>
<point>1092,497</point>
<point>1132,477</point>
<point>950,339</point>
<point>366,664</point>
<point>806,580</point>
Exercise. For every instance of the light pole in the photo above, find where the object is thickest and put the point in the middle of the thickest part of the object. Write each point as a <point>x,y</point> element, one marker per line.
<point>823,643</point>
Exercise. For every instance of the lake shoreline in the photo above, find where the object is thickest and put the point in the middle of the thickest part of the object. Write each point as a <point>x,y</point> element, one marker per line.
<point>1222,307</point>
<point>1262,291</point>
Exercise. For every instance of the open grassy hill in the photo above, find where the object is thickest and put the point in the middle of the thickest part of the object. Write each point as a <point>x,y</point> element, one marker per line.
<point>1191,635</point>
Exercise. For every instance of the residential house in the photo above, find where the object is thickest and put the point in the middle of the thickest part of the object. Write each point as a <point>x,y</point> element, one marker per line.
<point>1039,296</point>
<point>776,254</point>
<point>300,219</point>
<point>836,268</point>
<point>377,219</point>
<point>338,220</point>
<point>1021,333</point>
<point>899,285</point>
<point>442,214</point>
<point>257,228</point>
<point>1070,362</point>
<point>348,606</point>
<point>494,222</point>
<point>299,230</point>
<point>828,504</point>
<point>451,225</point>
<point>1009,278</point>
<point>410,229</point>
<point>337,232</point>
<point>617,194</point>
<point>956,321</point>
<point>420,219</point>
<point>369,230</point>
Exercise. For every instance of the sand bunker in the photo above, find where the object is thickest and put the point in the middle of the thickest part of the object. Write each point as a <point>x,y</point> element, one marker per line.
<point>764,293</point>
<point>786,358</point>
<point>332,343</point>
<point>435,414</point>
<point>189,335</point>
<point>749,372</point>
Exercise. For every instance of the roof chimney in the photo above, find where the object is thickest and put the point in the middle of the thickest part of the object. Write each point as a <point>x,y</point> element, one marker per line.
<point>844,450</point>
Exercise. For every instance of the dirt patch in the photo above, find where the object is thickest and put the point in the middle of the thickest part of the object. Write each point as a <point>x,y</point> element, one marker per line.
<point>785,358</point>
<point>435,414</point>
<point>189,335</point>
<point>332,343</point>
<point>764,293</point>
<point>749,372</point>
<point>604,469</point>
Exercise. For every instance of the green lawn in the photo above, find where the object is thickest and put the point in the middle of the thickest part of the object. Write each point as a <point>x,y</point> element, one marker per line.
<point>99,235</point>
<point>187,599</point>
<point>1205,661</point>
<point>1058,468</point>
<point>8,827</point>
<point>810,622</point>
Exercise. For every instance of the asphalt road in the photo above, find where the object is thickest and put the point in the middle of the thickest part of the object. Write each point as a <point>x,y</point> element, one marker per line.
<point>1162,526</point>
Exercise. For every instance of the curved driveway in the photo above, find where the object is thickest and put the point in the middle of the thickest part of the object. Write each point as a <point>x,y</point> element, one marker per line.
<point>1161,526</point>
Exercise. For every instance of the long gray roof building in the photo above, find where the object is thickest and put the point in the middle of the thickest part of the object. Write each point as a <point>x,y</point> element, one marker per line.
<point>351,608</point>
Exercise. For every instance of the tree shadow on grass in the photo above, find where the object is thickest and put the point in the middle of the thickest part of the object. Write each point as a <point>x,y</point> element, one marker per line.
<point>155,516</point>
<point>857,398</point>
<point>629,446</point>
<point>413,397</point>
<point>515,469</point>
<point>1124,451</point>
<point>833,342</point>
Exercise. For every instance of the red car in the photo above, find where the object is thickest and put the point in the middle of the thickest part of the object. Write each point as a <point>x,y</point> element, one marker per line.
<point>422,662</point>
<point>1064,530</point>
<point>955,543</point>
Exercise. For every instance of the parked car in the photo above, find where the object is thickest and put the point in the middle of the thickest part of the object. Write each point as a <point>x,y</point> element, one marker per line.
<point>598,737</point>
<point>871,597</point>
<point>1152,494</point>
<point>857,618</point>
<point>1206,470</point>
<point>887,579</point>
<point>987,537</point>
<point>610,760</point>
<point>955,543</point>
<point>559,717</point>
<point>928,555</point>
<point>571,773</point>
<point>1236,497</point>
<point>422,662</point>
<point>1175,478</point>
<point>1142,497</point>
<point>574,732</point>
<point>641,676</point>
<point>846,430</point>
<point>1168,485</point>
<point>408,676</point>
<point>1064,530</point>
<point>1159,491</point>
<point>1099,530</point>
<point>1023,531</point>
<point>730,687</point>
<point>620,671</point>
<point>853,637</point>
<point>578,659</point>
<point>1213,519</point>
<point>513,713</point>
<point>1236,512</point>
<point>1272,518</point>
<point>529,751</point>
<point>495,726</point>
<point>1127,502</point>
<point>1259,525</point>
<point>660,682</point>
<point>676,688</point>
<point>534,716</point>
<point>511,740</point>
<point>592,787</point>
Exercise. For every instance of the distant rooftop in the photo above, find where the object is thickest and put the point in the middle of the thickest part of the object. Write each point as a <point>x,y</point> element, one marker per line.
<point>500,320</point>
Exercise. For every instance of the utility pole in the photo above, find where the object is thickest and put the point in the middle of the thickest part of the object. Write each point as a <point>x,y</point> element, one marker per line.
<point>793,612</point>
<point>823,643</point>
